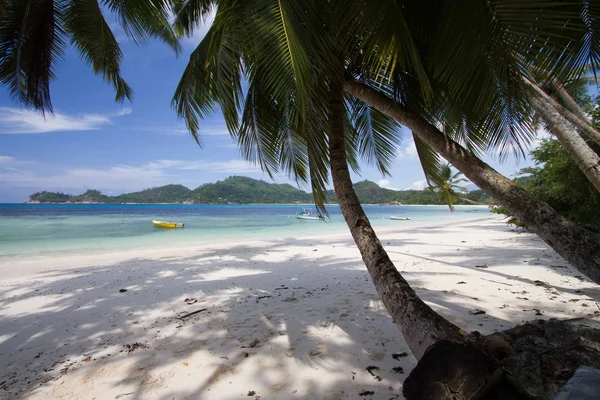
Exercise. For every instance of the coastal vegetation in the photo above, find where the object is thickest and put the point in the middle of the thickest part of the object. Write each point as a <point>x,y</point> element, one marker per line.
<point>49,197</point>
<point>447,185</point>
<point>557,179</point>
<point>244,190</point>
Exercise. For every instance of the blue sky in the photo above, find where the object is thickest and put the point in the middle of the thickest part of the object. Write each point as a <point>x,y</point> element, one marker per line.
<point>94,143</point>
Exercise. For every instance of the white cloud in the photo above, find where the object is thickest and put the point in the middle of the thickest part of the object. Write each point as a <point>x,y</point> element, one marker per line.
<point>124,111</point>
<point>175,131</point>
<point>181,130</point>
<point>540,134</point>
<point>386,184</point>
<point>22,121</point>
<point>418,185</point>
<point>122,177</point>
<point>6,159</point>
<point>409,150</point>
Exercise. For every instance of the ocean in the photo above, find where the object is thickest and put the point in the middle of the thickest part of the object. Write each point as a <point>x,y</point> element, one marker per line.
<point>46,229</point>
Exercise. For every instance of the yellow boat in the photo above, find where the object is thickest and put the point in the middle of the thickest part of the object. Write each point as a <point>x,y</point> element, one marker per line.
<point>168,225</point>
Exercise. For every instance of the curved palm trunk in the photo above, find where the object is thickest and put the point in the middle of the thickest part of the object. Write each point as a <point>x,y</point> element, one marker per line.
<point>579,119</point>
<point>421,326</point>
<point>587,160</point>
<point>578,246</point>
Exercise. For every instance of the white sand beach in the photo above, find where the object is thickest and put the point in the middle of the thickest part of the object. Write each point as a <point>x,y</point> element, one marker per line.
<point>291,318</point>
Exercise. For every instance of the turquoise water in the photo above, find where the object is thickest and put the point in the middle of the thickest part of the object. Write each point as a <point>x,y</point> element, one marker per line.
<point>40,229</point>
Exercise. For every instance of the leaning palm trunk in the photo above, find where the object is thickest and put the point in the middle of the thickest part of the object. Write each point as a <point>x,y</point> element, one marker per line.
<point>574,113</point>
<point>578,246</point>
<point>421,326</point>
<point>587,160</point>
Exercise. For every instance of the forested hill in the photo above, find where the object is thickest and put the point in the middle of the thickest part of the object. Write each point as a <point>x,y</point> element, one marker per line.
<point>240,189</point>
<point>244,190</point>
<point>162,194</point>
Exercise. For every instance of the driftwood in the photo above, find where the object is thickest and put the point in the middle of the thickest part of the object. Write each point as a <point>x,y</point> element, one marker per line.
<point>530,361</point>
<point>192,313</point>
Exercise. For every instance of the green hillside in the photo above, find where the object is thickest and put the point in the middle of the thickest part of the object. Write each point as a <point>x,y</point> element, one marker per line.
<point>162,194</point>
<point>92,196</point>
<point>49,197</point>
<point>371,193</point>
<point>243,190</point>
<point>240,190</point>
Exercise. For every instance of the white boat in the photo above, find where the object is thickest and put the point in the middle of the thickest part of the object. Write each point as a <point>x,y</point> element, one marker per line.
<point>305,214</point>
<point>400,218</point>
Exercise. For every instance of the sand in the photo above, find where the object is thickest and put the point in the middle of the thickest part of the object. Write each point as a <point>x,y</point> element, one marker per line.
<point>285,319</point>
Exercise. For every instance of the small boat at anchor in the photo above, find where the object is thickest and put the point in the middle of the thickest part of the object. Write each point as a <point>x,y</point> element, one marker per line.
<point>400,218</point>
<point>167,225</point>
<point>305,214</point>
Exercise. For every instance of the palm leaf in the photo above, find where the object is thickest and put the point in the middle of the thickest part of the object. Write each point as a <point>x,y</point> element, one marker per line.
<point>92,37</point>
<point>377,135</point>
<point>193,98</point>
<point>430,162</point>
<point>31,41</point>
<point>143,20</point>
<point>258,134</point>
<point>190,13</point>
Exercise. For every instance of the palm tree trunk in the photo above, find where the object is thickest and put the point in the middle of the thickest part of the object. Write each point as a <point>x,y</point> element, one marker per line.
<point>587,160</point>
<point>421,326</point>
<point>573,112</point>
<point>577,245</point>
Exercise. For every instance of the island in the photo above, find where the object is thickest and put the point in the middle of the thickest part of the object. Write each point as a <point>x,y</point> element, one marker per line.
<point>245,190</point>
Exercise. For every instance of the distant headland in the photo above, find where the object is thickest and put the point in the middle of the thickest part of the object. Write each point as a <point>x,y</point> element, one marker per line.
<point>244,190</point>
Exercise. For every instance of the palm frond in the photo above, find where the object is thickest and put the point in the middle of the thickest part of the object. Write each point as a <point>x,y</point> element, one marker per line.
<point>258,135</point>
<point>380,36</point>
<point>143,20</point>
<point>92,37</point>
<point>189,14</point>
<point>280,36</point>
<point>316,130</point>
<point>378,135</point>
<point>31,42</point>
<point>430,162</point>
<point>193,98</point>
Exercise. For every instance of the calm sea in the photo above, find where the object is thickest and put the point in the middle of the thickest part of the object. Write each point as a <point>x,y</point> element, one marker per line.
<point>39,229</point>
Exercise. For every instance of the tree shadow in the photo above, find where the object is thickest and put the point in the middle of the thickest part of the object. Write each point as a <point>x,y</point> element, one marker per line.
<point>279,318</point>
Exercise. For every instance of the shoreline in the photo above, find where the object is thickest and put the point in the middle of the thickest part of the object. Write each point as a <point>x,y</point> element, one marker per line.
<point>287,318</point>
<point>84,257</point>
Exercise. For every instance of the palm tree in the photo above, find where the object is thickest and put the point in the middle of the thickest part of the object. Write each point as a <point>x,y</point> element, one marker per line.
<point>299,57</point>
<point>295,117</point>
<point>577,245</point>
<point>553,114</point>
<point>445,184</point>
<point>494,114</point>
<point>34,34</point>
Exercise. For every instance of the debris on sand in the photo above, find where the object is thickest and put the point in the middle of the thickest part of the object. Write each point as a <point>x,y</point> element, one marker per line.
<point>372,368</point>
<point>477,312</point>
<point>397,356</point>
<point>192,313</point>
<point>252,344</point>
<point>134,346</point>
